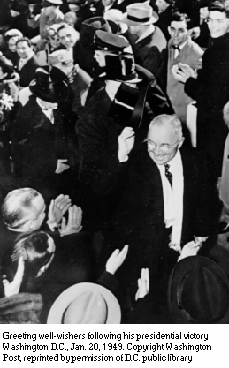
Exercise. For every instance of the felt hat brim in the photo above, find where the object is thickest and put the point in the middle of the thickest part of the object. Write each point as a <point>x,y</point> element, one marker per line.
<point>178,275</point>
<point>64,300</point>
<point>47,95</point>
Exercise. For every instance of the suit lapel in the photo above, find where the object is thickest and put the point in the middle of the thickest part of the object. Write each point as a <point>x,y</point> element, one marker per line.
<point>156,196</point>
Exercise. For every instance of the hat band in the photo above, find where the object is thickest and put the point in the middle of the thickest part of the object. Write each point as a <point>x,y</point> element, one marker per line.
<point>138,20</point>
<point>46,4</point>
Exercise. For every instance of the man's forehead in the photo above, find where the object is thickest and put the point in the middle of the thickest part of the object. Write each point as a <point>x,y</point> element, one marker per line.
<point>179,25</point>
<point>217,15</point>
<point>22,44</point>
<point>161,131</point>
<point>65,32</point>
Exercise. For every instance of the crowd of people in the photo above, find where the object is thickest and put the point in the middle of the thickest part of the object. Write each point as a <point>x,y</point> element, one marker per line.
<point>109,214</point>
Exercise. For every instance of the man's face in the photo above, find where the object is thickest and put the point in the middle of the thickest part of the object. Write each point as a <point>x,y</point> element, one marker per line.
<point>163,143</point>
<point>218,23</point>
<point>135,30</point>
<point>161,5</point>
<point>204,13</point>
<point>66,37</point>
<point>178,32</point>
<point>23,49</point>
<point>36,214</point>
<point>12,44</point>
<point>54,40</point>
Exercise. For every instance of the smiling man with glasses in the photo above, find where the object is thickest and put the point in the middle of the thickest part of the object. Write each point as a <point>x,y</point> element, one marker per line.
<point>169,200</point>
<point>163,144</point>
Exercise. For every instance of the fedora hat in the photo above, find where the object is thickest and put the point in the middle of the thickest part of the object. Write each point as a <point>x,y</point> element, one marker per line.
<point>110,42</point>
<point>85,303</point>
<point>217,5</point>
<point>19,6</point>
<point>114,18</point>
<point>47,3</point>
<point>139,14</point>
<point>199,292</point>
<point>47,89</point>
<point>119,65</point>
<point>88,29</point>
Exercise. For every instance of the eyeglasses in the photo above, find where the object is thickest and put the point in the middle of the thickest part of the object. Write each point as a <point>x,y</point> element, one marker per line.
<point>164,147</point>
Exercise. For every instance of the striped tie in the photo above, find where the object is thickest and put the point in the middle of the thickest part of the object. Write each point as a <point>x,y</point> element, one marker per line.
<point>168,174</point>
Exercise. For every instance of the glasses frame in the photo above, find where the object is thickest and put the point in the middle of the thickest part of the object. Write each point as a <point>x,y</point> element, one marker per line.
<point>167,150</point>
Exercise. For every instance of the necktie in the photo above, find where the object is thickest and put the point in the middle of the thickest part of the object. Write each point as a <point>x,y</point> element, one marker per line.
<point>176,50</point>
<point>168,174</point>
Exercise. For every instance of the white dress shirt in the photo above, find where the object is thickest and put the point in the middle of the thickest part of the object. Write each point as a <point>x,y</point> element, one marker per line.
<point>173,197</point>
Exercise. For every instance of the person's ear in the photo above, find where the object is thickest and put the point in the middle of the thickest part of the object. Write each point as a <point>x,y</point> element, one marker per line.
<point>181,142</point>
<point>169,30</point>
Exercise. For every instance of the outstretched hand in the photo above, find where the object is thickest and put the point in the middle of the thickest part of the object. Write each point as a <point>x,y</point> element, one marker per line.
<point>116,260</point>
<point>143,284</point>
<point>73,224</point>
<point>57,209</point>
<point>12,288</point>
<point>190,249</point>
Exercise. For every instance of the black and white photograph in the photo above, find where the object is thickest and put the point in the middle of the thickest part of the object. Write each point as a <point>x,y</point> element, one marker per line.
<point>114,173</point>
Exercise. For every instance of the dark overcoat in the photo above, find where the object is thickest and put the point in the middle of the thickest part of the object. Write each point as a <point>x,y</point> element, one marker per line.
<point>211,92</point>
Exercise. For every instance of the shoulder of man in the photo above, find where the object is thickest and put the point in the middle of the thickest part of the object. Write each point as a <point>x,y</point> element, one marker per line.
<point>196,159</point>
<point>195,48</point>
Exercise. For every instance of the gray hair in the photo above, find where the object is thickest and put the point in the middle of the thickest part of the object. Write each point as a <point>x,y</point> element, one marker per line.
<point>172,120</point>
<point>14,205</point>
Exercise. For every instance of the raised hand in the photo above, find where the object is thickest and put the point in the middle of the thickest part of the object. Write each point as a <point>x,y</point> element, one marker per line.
<point>73,224</point>
<point>116,260</point>
<point>12,288</point>
<point>57,209</point>
<point>61,166</point>
<point>143,284</point>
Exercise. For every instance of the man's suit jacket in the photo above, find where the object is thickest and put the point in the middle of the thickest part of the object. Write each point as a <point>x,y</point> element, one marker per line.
<point>36,143</point>
<point>27,72</point>
<point>98,132</point>
<point>139,218</point>
<point>150,52</point>
<point>190,54</point>
<point>211,92</point>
